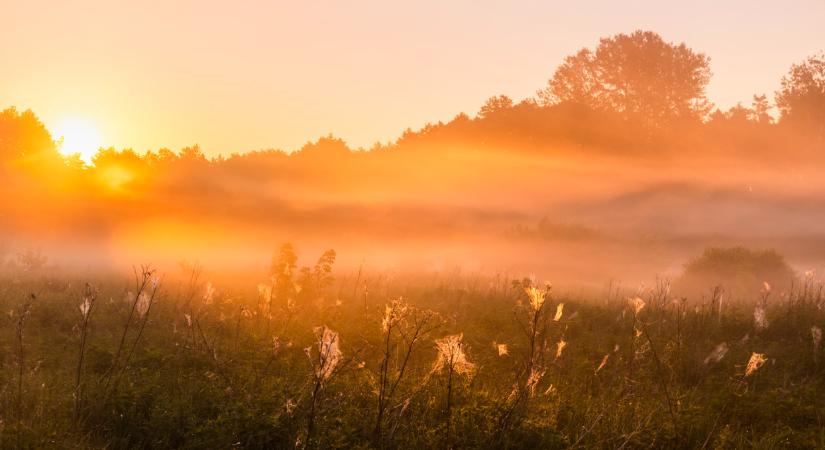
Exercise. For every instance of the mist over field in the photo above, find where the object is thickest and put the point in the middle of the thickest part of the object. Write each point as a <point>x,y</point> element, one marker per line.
<point>613,262</point>
<point>559,191</point>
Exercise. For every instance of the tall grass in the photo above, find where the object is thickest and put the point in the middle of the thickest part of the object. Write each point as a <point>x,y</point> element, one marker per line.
<point>445,361</point>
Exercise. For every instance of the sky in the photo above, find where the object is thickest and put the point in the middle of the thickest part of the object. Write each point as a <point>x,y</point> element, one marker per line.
<point>249,75</point>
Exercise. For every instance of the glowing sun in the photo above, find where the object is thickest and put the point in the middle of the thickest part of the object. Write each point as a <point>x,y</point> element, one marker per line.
<point>78,136</point>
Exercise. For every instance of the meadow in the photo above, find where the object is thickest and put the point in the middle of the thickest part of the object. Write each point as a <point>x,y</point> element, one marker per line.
<point>426,328</point>
<point>312,358</point>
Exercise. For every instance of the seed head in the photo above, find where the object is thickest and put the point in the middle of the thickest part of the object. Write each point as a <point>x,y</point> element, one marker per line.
<point>755,362</point>
<point>603,363</point>
<point>760,322</point>
<point>809,274</point>
<point>559,312</point>
<point>533,380</point>
<point>536,298</point>
<point>560,347</point>
<point>329,353</point>
<point>637,304</point>
<point>85,307</point>
<point>208,293</point>
<point>717,354</point>
<point>394,313</point>
<point>451,355</point>
<point>143,304</point>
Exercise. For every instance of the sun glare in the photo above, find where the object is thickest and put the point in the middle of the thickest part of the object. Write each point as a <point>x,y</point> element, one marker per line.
<point>77,136</point>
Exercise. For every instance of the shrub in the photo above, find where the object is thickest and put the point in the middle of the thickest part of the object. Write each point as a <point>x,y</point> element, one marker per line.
<point>740,271</point>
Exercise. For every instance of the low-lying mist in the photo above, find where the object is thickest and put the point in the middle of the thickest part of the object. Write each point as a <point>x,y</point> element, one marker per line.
<point>557,211</point>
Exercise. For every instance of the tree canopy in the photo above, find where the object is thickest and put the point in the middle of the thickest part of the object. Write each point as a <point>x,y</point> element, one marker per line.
<point>494,104</point>
<point>23,135</point>
<point>638,75</point>
<point>801,100</point>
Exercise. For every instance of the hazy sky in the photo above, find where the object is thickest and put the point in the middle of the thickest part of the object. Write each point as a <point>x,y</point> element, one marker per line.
<point>246,75</point>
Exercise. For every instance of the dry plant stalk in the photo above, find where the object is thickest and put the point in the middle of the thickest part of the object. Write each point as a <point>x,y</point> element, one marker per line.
<point>89,298</point>
<point>147,285</point>
<point>403,327</point>
<point>22,316</point>
<point>324,367</point>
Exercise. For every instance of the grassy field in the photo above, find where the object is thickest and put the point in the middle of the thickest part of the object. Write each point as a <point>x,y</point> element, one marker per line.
<point>314,359</point>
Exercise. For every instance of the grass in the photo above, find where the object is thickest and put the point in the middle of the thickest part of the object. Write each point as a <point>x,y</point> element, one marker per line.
<point>308,361</point>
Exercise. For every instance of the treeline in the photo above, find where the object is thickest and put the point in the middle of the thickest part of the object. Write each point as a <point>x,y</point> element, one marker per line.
<point>633,98</point>
<point>632,92</point>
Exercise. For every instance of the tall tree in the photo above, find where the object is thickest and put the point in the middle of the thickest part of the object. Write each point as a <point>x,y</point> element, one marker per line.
<point>760,109</point>
<point>801,100</point>
<point>637,75</point>
<point>22,135</point>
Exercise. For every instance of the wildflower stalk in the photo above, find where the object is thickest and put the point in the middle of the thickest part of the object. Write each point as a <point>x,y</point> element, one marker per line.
<point>661,375</point>
<point>324,368</point>
<point>141,281</point>
<point>89,298</point>
<point>141,305</point>
<point>411,326</point>
<point>531,374</point>
<point>637,304</point>
<point>190,315</point>
<point>451,356</point>
<point>450,371</point>
<point>23,315</point>
<point>144,317</point>
<point>238,329</point>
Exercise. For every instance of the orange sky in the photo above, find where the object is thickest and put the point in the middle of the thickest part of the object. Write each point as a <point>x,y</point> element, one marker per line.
<point>239,76</point>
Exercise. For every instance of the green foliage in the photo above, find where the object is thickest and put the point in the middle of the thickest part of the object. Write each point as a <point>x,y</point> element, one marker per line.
<point>801,100</point>
<point>210,372</point>
<point>739,270</point>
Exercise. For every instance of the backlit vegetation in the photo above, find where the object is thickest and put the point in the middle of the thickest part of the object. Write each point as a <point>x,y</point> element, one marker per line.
<point>453,361</point>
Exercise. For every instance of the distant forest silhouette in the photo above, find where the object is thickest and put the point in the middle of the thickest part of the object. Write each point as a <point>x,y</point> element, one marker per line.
<point>629,93</point>
<point>632,101</point>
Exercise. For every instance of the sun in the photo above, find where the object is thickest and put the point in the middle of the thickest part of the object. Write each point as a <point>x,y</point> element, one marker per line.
<point>76,135</point>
